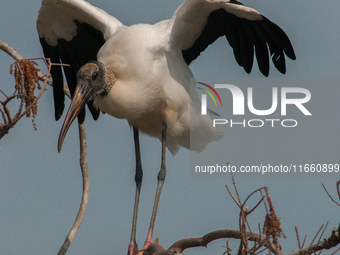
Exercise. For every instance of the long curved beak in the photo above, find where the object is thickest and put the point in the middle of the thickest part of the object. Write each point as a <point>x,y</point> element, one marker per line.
<point>81,96</point>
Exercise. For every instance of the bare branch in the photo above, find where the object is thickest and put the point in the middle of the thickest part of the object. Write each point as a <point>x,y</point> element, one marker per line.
<point>10,51</point>
<point>243,220</point>
<point>17,56</point>
<point>327,243</point>
<point>244,240</point>
<point>86,191</point>
<point>183,244</point>
<point>243,216</point>
<point>9,123</point>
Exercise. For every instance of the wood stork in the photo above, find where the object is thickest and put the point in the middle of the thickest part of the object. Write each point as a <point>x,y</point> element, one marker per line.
<point>141,72</point>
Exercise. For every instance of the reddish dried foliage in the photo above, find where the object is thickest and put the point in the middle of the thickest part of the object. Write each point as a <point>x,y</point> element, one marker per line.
<point>26,81</point>
<point>272,226</point>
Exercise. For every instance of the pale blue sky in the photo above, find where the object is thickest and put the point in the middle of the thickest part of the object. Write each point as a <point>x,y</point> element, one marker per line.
<point>40,189</point>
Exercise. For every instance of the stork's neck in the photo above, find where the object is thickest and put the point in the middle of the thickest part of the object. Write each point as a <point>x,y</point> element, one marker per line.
<point>110,79</point>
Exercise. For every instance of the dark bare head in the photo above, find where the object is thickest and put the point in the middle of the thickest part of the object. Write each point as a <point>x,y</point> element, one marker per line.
<point>93,79</point>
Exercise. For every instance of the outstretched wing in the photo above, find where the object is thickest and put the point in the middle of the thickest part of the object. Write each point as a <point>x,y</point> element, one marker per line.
<point>196,24</point>
<point>72,32</point>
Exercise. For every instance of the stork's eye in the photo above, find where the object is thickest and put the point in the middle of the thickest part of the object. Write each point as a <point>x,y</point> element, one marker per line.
<point>94,75</point>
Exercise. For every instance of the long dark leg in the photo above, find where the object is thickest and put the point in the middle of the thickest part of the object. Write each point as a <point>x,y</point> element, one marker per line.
<point>138,179</point>
<point>161,179</point>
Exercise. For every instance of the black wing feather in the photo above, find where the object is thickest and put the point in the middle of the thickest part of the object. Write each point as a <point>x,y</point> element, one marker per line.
<point>245,36</point>
<point>246,47</point>
<point>261,51</point>
<point>58,95</point>
<point>77,52</point>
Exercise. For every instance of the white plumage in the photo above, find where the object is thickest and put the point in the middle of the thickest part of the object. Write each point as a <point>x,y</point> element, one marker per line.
<point>152,86</point>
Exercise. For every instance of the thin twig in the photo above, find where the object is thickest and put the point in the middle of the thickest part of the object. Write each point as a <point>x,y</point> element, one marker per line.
<point>228,249</point>
<point>330,195</point>
<point>4,117</point>
<point>304,240</point>
<point>298,238</point>
<point>7,112</point>
<point>234,183</point>
<point>260,251</point>
<point>335,251</point>
<point>3,93</point>
<point>260,232</point>
<point>323,231</point>
<point>250,196</point>
<point>232,196</point>
<point>316,235</point>
<point>265,204</point>
<point>256,205</point>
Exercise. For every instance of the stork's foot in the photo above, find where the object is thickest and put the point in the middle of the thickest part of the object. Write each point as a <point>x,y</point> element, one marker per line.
<point>152,248</point>
<point>132,249</point>
<point>148,240</point>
